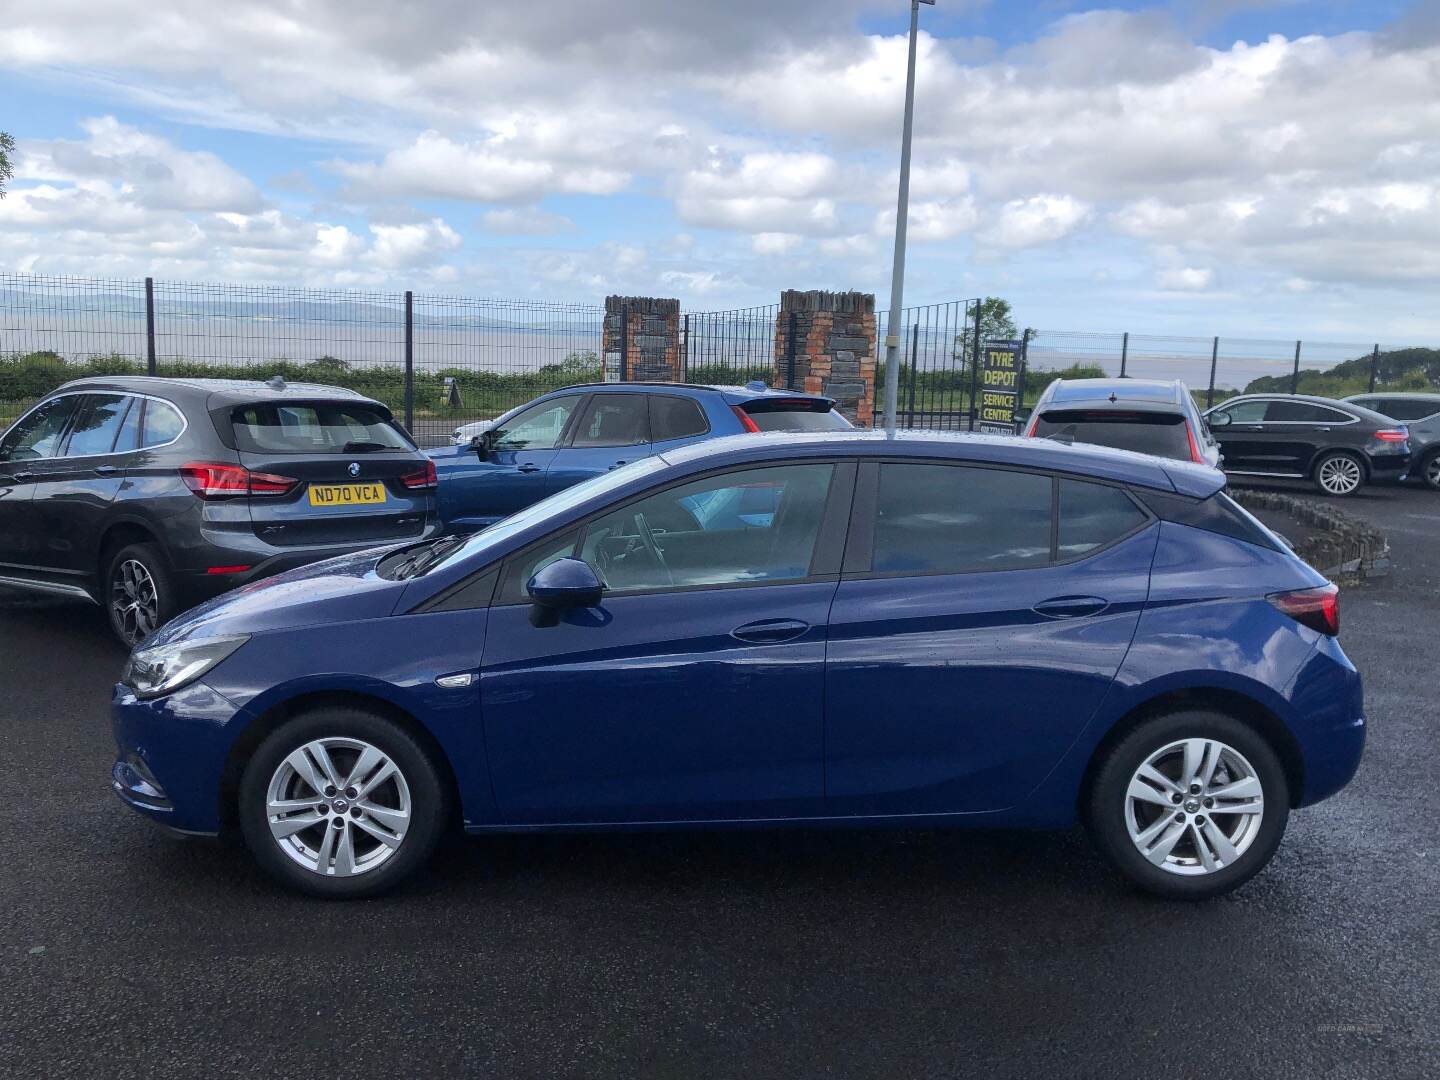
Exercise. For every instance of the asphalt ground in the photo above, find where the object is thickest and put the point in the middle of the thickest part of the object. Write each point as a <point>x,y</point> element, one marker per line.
<point>763,954</point>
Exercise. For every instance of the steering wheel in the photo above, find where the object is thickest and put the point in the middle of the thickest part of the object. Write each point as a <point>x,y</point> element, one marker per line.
<point>648,539</point>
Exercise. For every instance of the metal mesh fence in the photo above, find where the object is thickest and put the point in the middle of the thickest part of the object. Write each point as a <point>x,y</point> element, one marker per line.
<point>731,347</point>
<point>937,342</point>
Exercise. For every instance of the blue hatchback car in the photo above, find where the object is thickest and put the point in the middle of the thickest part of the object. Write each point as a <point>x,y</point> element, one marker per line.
<point>570,435</point>
<point>922,631</point>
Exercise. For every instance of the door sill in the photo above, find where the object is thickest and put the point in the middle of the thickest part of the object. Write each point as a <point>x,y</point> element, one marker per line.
<point>1271,475</point>
<point>53,588</point>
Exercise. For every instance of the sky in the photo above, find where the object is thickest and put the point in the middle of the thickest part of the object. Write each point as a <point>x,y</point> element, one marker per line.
<point>1262,167</point>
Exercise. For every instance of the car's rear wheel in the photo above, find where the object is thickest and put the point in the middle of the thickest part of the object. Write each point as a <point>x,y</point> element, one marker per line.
<point>1339,473</point>
<point>138,591</point>
<point>342,804</point>
<point>1430,471</point>
<point>1189,805</point>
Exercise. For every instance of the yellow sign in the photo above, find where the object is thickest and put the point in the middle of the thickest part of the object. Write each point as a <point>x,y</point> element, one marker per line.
<point>346,494</point>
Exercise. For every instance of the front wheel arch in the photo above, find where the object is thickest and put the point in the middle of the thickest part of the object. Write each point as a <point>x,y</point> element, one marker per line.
<point>275,717</point>
<point>1232,703</point>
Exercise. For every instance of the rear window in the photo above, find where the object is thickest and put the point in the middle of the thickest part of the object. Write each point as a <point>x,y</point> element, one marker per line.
<point>799,415</point>
<point>314,428</point>
<point>1161,434</point>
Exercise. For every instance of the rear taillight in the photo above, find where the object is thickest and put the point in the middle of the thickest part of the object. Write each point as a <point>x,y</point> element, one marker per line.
<point>1393,434</point>
<point>1031,426</point>
<point>421,479</point>
<point>1195,454</point>
<point>745,421</point>
<point>1318,609</point>
<point>218,480</point>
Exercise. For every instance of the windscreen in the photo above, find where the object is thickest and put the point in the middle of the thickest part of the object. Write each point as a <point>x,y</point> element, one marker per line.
<point>1158,433</point>
<point>314,427</point>
<point>799,415</point>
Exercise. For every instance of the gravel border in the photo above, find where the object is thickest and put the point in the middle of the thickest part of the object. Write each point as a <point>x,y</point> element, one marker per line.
<point>1344,546</point>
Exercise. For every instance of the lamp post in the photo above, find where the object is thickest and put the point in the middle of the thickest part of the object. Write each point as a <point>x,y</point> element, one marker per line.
<point>902,214</point>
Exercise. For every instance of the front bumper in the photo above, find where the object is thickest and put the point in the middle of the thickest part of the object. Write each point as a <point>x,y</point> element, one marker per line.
<point>171,753</point>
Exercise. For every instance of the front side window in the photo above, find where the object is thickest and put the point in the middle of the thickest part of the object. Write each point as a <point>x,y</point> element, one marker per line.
<point>1092,516</point>
<point>38,434</point>
<point>757,525</point>
<point>538,427</point>
<point>311,428</point>
<point>955,519</point>
<point>1243,412</point>
<point>613,420</point>
<point>98,424</point>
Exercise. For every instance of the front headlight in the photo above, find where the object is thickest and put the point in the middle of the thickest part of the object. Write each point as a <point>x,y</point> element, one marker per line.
<point>163,668</point>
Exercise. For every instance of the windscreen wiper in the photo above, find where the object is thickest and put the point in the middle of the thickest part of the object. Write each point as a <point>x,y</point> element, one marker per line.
<point>362,446</point>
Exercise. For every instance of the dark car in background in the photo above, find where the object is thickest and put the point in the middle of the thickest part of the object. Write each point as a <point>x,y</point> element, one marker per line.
<point>1149,417</point>
<point>1420,413</point>
<point>148,495</point>
<point>545,445</point>
<point>1336,445</point>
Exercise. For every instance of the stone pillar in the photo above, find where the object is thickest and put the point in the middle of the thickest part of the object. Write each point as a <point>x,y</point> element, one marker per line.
<point>834,340</point>
<point>643,334</point>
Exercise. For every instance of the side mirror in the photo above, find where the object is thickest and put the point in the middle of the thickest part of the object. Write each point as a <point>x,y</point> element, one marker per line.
<point>565,583</point>
<point>1219,419</point>
<point>481,445</point>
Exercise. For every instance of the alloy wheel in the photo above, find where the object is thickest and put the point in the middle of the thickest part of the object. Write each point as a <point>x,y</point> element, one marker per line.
<point>338,807</point>
<point>1194,807</point>
<point>1340,475</point>
<point>134,600</point>
<point>1432,472</point>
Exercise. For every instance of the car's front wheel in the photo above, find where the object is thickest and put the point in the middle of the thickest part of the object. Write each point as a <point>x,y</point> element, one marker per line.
<point>342,804</point>
<point>1339,473</point>
<point>1189,805</point>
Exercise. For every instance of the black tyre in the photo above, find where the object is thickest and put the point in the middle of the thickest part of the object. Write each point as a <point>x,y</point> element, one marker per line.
<point>1338,473</point>
<point>1429,471</point>
<point>341,804</point>
<point>138,592</point>
<point>1189,805</point>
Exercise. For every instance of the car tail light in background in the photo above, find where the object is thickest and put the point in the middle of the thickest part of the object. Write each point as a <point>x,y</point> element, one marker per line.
<point>1030,427</point>
<point>218,480</point>
<point>745,420</point>
<point>1393,434</point>
<point>1318,609</point>
<point>421,479</point>
<point>1195,454</point>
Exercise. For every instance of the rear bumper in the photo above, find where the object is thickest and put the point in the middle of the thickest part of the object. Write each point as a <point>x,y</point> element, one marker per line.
<point>1389,466</point>
<point>1329,721</point>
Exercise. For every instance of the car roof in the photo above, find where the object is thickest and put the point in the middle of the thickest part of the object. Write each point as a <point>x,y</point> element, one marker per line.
<point>1120,393</point>
<point>1401,395</point>
<point>213,393</point>
<point>1079,459</point>
<point>734,394</point>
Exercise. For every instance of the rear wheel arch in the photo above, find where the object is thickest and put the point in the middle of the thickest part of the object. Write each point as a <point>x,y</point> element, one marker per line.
<point>118,535</point>
<point>1349,451</point>
<point>1231,703</point>
<point>281,713</point>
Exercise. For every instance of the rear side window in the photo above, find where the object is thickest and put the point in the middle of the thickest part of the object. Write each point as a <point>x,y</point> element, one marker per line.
<point>312,428</point>
<point>954,519</point>
<point>1161,434</point>
<point>98,424</point>
<point>1218,514</point>
<point>1302,412</point>
<point>1405,409</point>
<point>1093,516</point>
<point>797,415</point>
<point>675,418</point>
<point>163,423</point>
<point>613,420</point>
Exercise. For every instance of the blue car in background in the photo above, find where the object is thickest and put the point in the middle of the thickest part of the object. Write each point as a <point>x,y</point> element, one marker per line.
<point>570,435</point>
<point>848,629</point>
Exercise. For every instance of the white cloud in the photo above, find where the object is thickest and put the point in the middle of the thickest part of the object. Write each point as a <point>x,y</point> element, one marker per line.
<point>774,243</point>
<point>1040,219</point>
<point>1186,279</point>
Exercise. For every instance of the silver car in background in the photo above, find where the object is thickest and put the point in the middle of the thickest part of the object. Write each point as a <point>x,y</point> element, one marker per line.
<point>1421,414</point>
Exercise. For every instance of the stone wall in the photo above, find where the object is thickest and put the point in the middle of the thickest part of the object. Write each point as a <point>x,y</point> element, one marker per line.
<point>1341,547</point>
<point>651,334</point>
<point>834,337</point>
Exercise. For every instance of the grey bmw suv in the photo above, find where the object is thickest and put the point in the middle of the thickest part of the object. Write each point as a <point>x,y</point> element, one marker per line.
<point>148,495</point>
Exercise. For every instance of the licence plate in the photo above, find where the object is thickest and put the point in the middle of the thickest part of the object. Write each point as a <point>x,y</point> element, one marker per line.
<point>346,494</point>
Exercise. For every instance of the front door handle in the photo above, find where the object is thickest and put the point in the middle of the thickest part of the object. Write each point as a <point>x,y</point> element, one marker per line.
<point>105,470</point>
<point>616,466</point>
<point>529,467</point>
<point>23,477</point>
<point>770,631</point>
<point>1070,607</point>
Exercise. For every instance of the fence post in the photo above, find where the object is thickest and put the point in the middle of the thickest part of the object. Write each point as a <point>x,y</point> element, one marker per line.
<point>1374,366</point>
<point>410,361</point>
<point>975,367</point>
<point>1295,372</point>
<point>1214,358</point>
<point>1124,352</point>
<point>914,374</point>
<point>790,331</point>
<point>149,326</point>
<point>624,342</point>
<point>685,350</point>
<point>1024,361</point>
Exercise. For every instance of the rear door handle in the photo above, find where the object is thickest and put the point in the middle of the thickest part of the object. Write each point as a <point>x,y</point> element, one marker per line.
<point>770,631</point>
<point>1070,607</point>
<point>616,466</point>
<point>529,467</point>
<point>23,477</point>
<point>105,470</point>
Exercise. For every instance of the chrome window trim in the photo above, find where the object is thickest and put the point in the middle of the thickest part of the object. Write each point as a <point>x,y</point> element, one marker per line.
<point>184,422</point>
<point>1283,397</point>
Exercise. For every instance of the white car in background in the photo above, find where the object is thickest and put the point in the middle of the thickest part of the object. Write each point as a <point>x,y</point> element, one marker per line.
<point>463,434</point>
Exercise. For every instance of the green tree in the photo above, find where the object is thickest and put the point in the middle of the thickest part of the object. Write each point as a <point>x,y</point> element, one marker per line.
<point>996,324</point>
<point>7,169</point>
